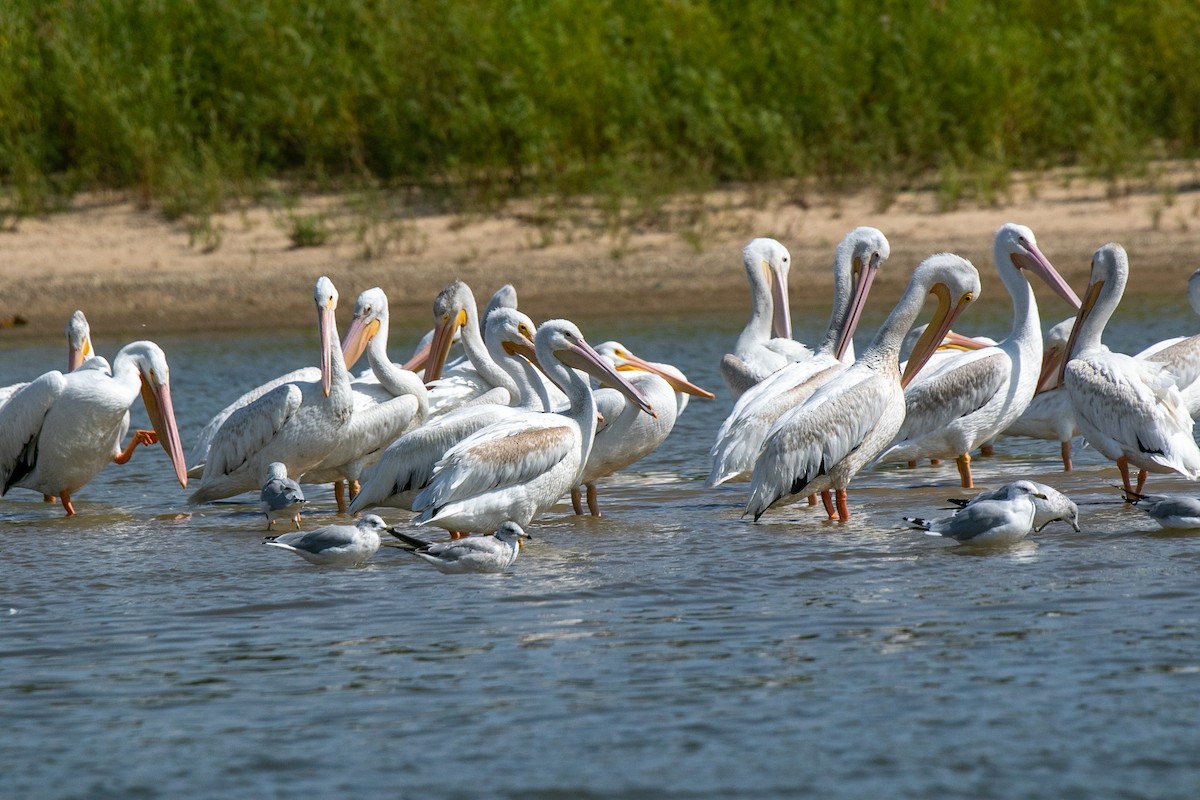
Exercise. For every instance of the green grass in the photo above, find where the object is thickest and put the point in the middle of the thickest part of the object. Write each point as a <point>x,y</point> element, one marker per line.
<point>190,104</point>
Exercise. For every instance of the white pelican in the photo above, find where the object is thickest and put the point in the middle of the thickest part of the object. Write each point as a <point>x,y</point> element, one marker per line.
<point>995,521</point>
<point>1127,408</point>
<point>516,469</point>
<point>1182,355</point>
<point>1050,504</point>
<point>58,432</point>
<point>386,405</point>
<point>822,443</point>
<point>337,545</point>
<point>281,497</point>
<point>79,350</point>
<point>297,423</point>
<point>1169,511</point>
<point>857,260</point>
<point>973,397</point>
<point>476,554</point>
<point>407,464</point>
<point>627,435</point>
<point>756,354</point>
<point>1049,414</point>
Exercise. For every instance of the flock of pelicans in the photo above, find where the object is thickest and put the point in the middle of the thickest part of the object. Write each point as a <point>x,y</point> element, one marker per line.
<point>531,414</point>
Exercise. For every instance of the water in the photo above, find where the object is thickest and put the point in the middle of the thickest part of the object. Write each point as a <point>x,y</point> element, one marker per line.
<point>670,649</point>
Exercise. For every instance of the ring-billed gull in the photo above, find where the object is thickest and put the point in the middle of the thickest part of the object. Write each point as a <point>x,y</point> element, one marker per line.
<point>334,544</point>
<point>281,497</point>
<point>988,521</point>
<point>1056,506</point>
<point>473,554</point>
<point>1178,513</point>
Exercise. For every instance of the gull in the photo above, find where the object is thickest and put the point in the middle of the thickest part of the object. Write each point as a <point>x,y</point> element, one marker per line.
<point>281,496</point>
<point>1054,507</point>
<point>988,521</point>
<point>334,544</point>
<point>475,554</point>
<point>1176,513</point>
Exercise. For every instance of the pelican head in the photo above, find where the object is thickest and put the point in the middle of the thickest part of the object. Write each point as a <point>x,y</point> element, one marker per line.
<point>561,340</point>
<point>370,319</point>
<point>155,375</point>
<point>954,281</point>
<point>505,297</point>
<point>513,331</point>
<point>864,250</point>
<point>326,297</point>
<point>1015,244</point>
<point>767,263</point>
<point>79,341</point>
<point>1106,285</point>
<point>625,361</point>
<point>452,309</point>
<point>512,532</point>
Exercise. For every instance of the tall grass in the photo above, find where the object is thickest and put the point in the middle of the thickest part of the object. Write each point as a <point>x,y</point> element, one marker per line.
<point>188,102</point>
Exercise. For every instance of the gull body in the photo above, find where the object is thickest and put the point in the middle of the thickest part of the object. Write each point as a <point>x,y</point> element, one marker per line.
<point>281,497</point>
<point>475,554</point>
<point>334,545</point>
<point>997,521</point>
<point>822,443</point>
<point>741,435</point>
<point>1169,511</point>
<point>1050,505</point>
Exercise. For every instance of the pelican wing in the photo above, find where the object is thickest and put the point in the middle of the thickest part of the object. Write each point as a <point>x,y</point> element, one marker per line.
<point>250,428</point>
<point>609,405</point>
<point>21,421</point>
<point>1182,358</point>
<point>960,388</point>
<point>508,453</point>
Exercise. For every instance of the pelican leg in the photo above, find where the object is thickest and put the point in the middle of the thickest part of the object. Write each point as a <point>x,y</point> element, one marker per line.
<point>964,470</point>
<point>48,498</point>
<point>842,509</point>
<point>912,465</point>
<point>458,534</point>
<point>339,494</point>
<point>139,437</point>
<point>576,501</point>
<point>593,505</point>
<point>66,504</point>
<point>1141,484</point>
<point>270,522</point>
<point>827,500</point>
<point>355,486</point>
<point>1123,465</point>
<point>296,519</point>
<point>988,450</point>
<point>1066,455</point>
<point>935,462</point>
<point>812,499</point>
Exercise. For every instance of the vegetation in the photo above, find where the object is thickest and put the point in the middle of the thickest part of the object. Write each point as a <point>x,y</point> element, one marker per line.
<point>471,102</point>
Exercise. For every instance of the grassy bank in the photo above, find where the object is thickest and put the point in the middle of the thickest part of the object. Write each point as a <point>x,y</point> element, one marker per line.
<point>469,102</point>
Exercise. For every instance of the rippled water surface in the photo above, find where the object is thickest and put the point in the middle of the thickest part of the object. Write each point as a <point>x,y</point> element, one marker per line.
<point>670,649</point>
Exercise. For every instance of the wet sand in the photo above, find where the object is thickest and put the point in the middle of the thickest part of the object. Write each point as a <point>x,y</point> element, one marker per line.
<point>135,273</point>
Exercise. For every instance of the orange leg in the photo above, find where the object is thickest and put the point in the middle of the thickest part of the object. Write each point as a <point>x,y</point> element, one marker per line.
<point>139,437</point>
<point>1141,484</point>
<point>912,465</point>
<point>964,470</point>
<point>459,534</point>
<point>593,504</point>
<point>354,487</point>
<point>576,501</point>
<point>1123,465</point>
<point>48,498</point>
<point>339,494</point>
<point>812,501</point>
<point>66,503</point>
<point>828,501</point>
<point>935,462</point>
<point>1066,456</point>
<point>842,509</point>
<point>987,451</point>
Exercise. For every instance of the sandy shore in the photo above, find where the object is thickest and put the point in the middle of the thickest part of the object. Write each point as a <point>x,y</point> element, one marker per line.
<point>132,272</point>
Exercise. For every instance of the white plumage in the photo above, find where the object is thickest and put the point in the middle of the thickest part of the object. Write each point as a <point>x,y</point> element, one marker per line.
<point>475,554</point>
<point>334,545</point>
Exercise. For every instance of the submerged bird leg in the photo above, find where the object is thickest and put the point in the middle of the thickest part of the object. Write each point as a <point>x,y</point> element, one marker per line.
<point>270,522</point>
<point>842,510</point>
<point>66,504</point>
<point>912,465</point>
<point>1123,465</point>
<point>139,437</point>
<point>812,499</point>
<point>1141,484</point>
<point>48,498</point>
<point>964,470</point>
<point>593,505</point>
<point>988,450</point>
<point>354,487</point>
<point>1066,455</point>
<point>339,494</point>
<point>296,519</point>
<point>934,462</point>
<point>576,501</point>
<point>827,500</point>
<point>458,534</point>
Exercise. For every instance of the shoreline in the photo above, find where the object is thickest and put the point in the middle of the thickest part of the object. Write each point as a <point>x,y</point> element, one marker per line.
<point>133,272</point>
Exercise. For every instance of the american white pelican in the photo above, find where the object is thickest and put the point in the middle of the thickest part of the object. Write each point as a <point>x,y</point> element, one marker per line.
<point>505,297</point>
<point>627,435</point>
<point>857,259</point>
<point>297,423</point>
<point>998,521</point>
<point>334,545</point>
<point>79,350</point>
<point>1049,414</point>
<point>281,497</point>
<point>822,443</point>
<point>387,405</point>
<point>476,554</point>
<point>974,396</point>
<point>757,354</point>
<point>1169,511</point>
<point>1182,355</point>
<point>1051,507</point>
<point>58,432</point>
<point>516,469</point>
<point>1127,408</point>
<point>406,466</point>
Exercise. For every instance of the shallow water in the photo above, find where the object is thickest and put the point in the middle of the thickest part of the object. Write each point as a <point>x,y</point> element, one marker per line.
<point>670,649</point>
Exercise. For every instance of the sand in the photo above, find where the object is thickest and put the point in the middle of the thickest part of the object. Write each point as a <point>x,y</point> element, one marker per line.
<point>136,274</point>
